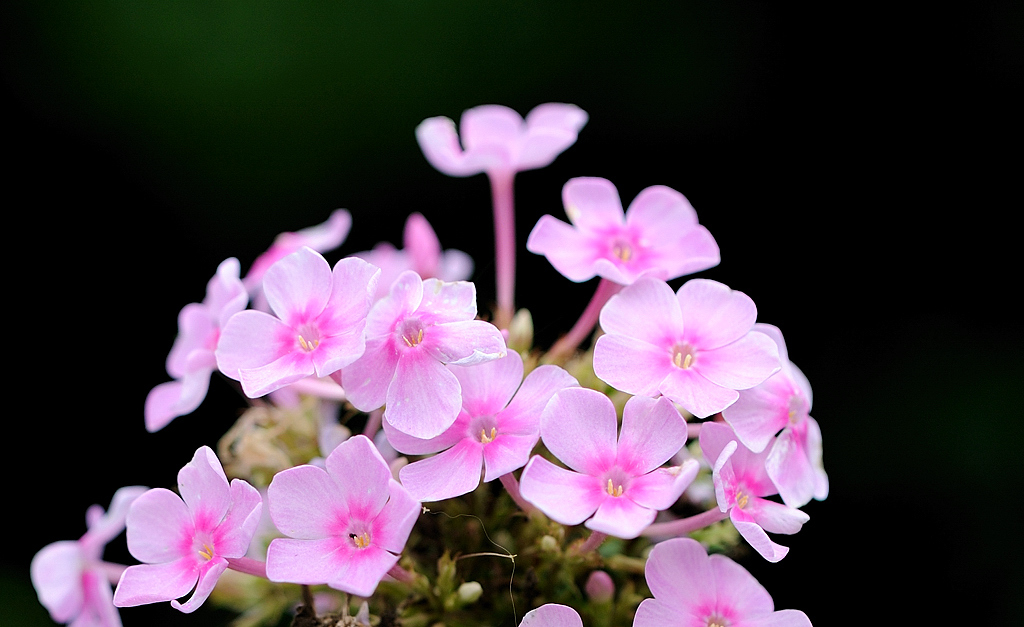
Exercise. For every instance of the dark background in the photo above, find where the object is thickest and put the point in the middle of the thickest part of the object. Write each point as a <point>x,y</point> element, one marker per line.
<point>858,165</point>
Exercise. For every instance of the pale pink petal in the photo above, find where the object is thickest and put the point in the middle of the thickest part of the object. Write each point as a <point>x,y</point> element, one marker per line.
<point>814,454</point>
<point>679,575</point>
<point>489,125</point>
<point>488,387</point>
<point>756,536</point>
<point>714,439</point>
<point>671,233</point>
<point>235,532</point>
<point>364,570</point>
<point>410,445</point>
<point>760,412</point>
<point>250,340</point>
<point>153,583</point>
<point>648,311</point>
<point>422,245</point>
<point>621,517</point>
<point>446,475</point>
<point>439,142</point>
<point>447,302</point>
<point>108,525</point>
<point>195,326</point>
<point>404,297</point>
<point>362,476</point>
<point>366,380</point>
<point>164,404</point>
<point>775,517</point>
<point>304,502</point>
<point>571,253</point>
<point>464,343</point>
<point>160,527</point>
<point>327,235</point>
<point>340,350</point>
<point>782,618</point>
<point>564,496</point>
<point>309,562</point>
<point>425,397</point>
<point>354,283</point>
<point>741,364</point>
<point>455,265</point>
<point>204,488</point>
<point>579,426</point>
<point>208,577</point>
<point>652,432</point>
<point>655,613</point>
<point>552,615</point>
<point>592,204</point>
<point>661,488</point>
<point>507,453</point>
<point>540,147</point>
<point>56,572</point>
<point>298,286</point>
<point>739,590</point>
<point>556,115</point>
<point>285,370</point>
<point>522,415</point>
<point>631,365</point>
<point>99,610</point>
<point>789,466</point>
<point>714,314</point>
<point>696,394</point>
<point>390,529</point>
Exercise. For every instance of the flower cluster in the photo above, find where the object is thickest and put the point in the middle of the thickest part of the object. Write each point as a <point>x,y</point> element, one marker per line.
<point>377,387</point>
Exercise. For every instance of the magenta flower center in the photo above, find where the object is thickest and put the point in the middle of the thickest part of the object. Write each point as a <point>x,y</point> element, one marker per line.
<point>411,331</point>
<point>622,250</point>
<point>203,545</point>
<point>683,355</point>
<point>308,337</point>
<point>361,541</point>
<point>717,621</point>
<point>616,482</point>
<point>741,498</point>
<point>483,428</point>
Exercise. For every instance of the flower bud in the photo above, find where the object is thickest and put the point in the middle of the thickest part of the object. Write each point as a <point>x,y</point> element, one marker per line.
<point>469,592</point>
<point>600,587</point>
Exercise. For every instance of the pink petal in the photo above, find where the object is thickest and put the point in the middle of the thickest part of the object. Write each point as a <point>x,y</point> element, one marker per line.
<point>679,575</point>
<point>195,326</point>
<point>250,339</point>
<point>332,561</point>
<point>655,613</point>
<point>670,231</point>
<point>99,610</point>
<point>648,311</point>
<point>464,343</point>
<point>367,379</point>
<point>439,141</point>
<point>782,618</point>
<point>446,475</point>
<point>552,615</point>
<point>490,125</point>
<point>425,397</point>
<point>631,365</point>
<point>153,583</point>
<point>403,298</point>
<point>592,204</point>
<point>522,415</point>
<point>695,393</point>
<point>422,245</point>
<point>621,517</point>
<point>362,476</point>
<point>775,517</point>
<point>564,496</point>
<point>447,302</point>
<point>390,529</point>
<point>652,432</point>
<point>340,350</point>
<point>56,572</point>
<point>507,453</point>
<point>741,364</point>
<point>540,147</point>
<point>756,537</point>
<point>455,265</point>
<point>789,466</point>
<point>556,115</point>
<point>108,525</point>
<point>298,286</point>
<point>571,253</point>
<point>208,577</point>
<point>204,488</point>
<point>305,503</point>
<point>760,412</point>
<point>488,387</point>
<point>661,488</point>
<point>353,285</point>
<point>579,427</point>
<point>273,376</point>
<point>738,590</point>
<point>235,532</point>
<point>160,527</point>
<point>714,314</point>
<point>410,445</point>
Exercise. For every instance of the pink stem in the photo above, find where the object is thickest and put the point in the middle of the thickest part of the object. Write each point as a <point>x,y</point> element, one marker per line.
<point>592,542</point>
<point>502,184</point>
<point>373,421</point>
<point>588,320</point>
<point>248,566</point>
<point>684,526</point>
<point>693,430</point>
<point>512,486</point>
<point>112,571</point>
<point>402,574</point>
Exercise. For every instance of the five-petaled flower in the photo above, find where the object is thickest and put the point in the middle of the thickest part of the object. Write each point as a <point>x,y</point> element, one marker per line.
<point>346,522</point>
<point>616,486</point>
<point>693,589</point>
<point>187,541</point>
<point>658,235</point>
<point>318,329</point>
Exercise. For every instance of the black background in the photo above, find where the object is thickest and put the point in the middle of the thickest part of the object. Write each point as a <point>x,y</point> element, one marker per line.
<point>858,166</point>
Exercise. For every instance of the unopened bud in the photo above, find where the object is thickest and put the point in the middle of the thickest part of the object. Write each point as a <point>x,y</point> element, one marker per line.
<point>600,587</point>
<point>548,544</point>
<point>469,592</point>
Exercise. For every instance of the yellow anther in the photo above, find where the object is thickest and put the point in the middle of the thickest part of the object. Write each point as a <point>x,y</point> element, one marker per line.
<point>741,499</point>
<point>622,251</point>
<point>688,360</point>
<point>484,438</point>
<point>206,552</point>
<point>361,541</point>
<point>682,362</point>
<point>308,346</point>
<point>414,342</point>
<point>614,491</point>
<point>420,337</point>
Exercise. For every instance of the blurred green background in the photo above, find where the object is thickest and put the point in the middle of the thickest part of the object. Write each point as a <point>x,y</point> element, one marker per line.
<point>858,165</point>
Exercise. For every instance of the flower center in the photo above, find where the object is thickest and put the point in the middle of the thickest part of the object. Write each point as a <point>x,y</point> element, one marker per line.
<point>622,250</point>
<point>412,332</point>
<point>716,621</point>
<point>309,337</point>
<point>206,552</point>
<point>796,408</point>
<point>741,499</point>
<point>683,356</point>
<point>614,490</point>
<point>361,540</point>
<point>485,438</point>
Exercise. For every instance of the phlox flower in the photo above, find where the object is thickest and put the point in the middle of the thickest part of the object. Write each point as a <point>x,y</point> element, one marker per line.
<point>71,578</point>
<point>693,589</point>
<point>410,335</point>
<point>422,254</point>
<point>346,522</point>
<point>616,486</point>
<point>497,428</point>
<point>497,139</point>
<point>322,238</point>
<point>191,360</point>
<point>318,328</point>
<point>741,482</point>
<point>187,541</point>
<point>696,346</point>
<point>658,235</point>
<point>552,615</point>
<point>783,402</point>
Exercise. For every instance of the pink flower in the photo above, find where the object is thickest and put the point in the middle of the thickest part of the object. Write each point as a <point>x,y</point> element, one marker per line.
<point>782,402</point>
<point>321,238</point>
<point>422,254</point>
<point>319,328</point>
<point>187,541</point>
<point>496,139</point>
<point>346,523</point>
<point>617,487</point>
<point>658,235</point>
<point>191,360</point>
<point>71,578</point>
<point>695,346</point>
<point>741,482</point>
<point>552,615</point>
<point>693,589</point>
<point>410,336</point>
<point>497,428</point>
